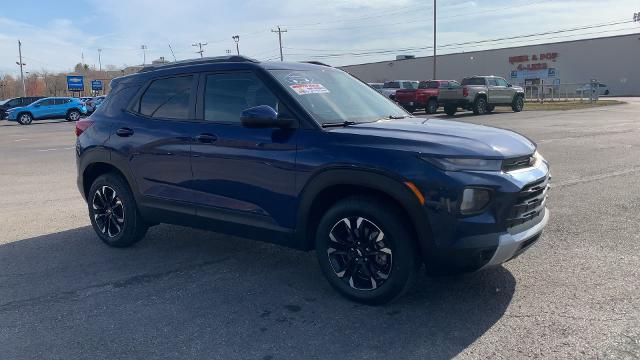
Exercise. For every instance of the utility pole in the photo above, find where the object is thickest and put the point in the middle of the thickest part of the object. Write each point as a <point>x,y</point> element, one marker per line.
<point>100,58</point>
<point>434,40</point>
<point>174,55</point>
<point>144,54</point>
<point>24,87</point>
<point>236,38</point>
<point>200,45</point>
<point>280,31</point>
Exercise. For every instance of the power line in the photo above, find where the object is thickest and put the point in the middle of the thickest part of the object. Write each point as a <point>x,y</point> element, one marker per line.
<point>384,51</point>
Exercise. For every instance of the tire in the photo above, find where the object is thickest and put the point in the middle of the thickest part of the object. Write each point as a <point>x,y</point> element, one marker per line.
<point>450,109</point>
<point>386,246</point>
<point>518,103</point>
<point>73,115</point>
<point>480,106</point>
<point>606,92</point>
<point>490,108</point>
<point>113,212</point>
<point>432,106</point>
<point>25,119</point>
<point>410,108</point>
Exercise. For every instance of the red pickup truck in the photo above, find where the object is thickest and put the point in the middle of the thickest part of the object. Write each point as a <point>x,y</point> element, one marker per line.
<point>425,96</point>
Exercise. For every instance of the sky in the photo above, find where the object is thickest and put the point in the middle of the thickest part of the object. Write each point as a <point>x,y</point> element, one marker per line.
<point>57,34</point>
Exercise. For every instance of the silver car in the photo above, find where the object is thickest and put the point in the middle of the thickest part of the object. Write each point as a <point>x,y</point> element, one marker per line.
<point>389,87</point>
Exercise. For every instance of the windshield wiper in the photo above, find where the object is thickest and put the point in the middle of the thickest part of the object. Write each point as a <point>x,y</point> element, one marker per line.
<point>338,124</point>
<point>395,117</point>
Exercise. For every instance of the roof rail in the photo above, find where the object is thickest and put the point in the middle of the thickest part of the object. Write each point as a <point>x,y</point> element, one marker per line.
<point>206,60</point>
<point>317,63</point>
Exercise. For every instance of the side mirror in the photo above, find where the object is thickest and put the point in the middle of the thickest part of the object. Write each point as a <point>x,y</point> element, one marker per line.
<point>509,85</point>
<point>262,116</point>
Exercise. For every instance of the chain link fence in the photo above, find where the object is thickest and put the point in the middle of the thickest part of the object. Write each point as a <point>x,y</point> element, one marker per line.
<point>584,92</point>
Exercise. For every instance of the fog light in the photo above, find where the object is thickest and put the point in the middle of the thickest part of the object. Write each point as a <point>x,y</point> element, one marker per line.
<point>474,200</point>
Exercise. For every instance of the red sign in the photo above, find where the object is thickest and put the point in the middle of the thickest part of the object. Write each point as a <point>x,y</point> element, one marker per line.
<point>535,57</point>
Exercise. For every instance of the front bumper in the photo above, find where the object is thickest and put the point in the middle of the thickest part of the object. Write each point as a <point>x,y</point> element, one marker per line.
<point>512,245</point>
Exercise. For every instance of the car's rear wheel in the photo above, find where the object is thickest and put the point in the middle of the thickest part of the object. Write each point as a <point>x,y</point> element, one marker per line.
<point>113,212</point>
<point>432,106</point>
<point>73,115</point>
<point>25,119</point>
<point>480,106</point>
<point>450,109</point>
<point>366,251</point>
<point>518,103</point>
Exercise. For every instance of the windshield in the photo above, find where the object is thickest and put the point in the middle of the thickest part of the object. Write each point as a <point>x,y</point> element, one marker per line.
<point>429,85</point>
<point>333,96</point>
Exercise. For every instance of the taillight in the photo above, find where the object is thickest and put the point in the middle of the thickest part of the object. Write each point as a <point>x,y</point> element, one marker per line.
<point>82,125</point>
<point>465,91</point>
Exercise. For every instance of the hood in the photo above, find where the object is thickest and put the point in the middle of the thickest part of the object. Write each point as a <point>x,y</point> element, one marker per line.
<point>446,138</point>
<point>17,108</point>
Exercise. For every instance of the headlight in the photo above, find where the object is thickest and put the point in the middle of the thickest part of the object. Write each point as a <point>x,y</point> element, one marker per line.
<point>457,164</point>
<point>474,200</point>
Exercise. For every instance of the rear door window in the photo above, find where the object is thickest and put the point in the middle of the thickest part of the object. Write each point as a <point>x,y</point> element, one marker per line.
<point>473,81</point>
<point>168,98</point>
<point>59,101</point>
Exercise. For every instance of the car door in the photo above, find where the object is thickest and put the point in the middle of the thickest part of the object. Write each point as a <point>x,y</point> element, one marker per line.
<point>241,174</point>
<point>42,108</point>
<point>153,139</point>
<point>493,91</point>
<point>59,109</point>
<point>506,92</point>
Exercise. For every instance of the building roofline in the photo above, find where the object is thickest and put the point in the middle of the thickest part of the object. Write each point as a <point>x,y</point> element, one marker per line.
<point>481,51</point>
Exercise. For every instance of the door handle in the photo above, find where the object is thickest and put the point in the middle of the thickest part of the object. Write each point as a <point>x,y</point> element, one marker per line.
<point>124,132</point>
<point>206,138</point>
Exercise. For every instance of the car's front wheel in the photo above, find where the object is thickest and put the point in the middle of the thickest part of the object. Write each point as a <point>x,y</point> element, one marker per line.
<point>73,115</point>
<point>366,250</point>
<point>25,119</point>
<point>518,104</point>
<point>113,212</point>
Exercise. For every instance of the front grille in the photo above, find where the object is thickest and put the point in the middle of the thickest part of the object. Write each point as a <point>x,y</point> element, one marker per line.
<point>529,204</point>
<point>516,163</point>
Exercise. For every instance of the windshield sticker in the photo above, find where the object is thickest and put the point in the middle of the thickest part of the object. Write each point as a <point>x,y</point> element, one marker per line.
<point>298,78</point>
<point>306,89</point>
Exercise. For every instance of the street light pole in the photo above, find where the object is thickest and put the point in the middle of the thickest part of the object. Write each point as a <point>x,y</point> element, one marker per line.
<point>236,38</point>
<point>279,31</point>
<point>434,40</point>
<point>144,54</point>
<point>100,58</point>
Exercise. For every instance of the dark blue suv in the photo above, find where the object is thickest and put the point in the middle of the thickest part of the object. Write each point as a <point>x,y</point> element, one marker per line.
<point>307,156</point>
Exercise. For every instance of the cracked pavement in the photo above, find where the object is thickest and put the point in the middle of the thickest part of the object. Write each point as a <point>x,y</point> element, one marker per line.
<point>185,294</point>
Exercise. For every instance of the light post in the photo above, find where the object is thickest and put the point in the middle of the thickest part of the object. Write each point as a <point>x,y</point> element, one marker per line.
<point>236,38</point>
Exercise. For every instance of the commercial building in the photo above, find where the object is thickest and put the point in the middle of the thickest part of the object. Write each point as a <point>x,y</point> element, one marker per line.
<point>609,60</point>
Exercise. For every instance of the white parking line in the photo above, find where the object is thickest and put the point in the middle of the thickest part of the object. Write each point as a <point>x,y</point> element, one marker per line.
<point>16,140</point>
<point>47,149</point>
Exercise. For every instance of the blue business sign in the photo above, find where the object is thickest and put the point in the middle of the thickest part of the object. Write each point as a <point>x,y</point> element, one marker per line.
<point>96,85</point>
<point>75,82</point>
<point>552,72</point>
<point>514,74</point>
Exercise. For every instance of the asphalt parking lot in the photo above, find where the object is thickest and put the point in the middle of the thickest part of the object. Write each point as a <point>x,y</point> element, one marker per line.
<point>184,294</point>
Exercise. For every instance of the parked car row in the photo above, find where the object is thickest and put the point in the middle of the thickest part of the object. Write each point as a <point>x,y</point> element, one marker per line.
<point>48,108</point>
<point>480,94</point>
<point>26,109</point>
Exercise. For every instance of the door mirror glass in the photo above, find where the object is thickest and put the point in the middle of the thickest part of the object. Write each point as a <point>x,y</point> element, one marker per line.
<point>262,116</point>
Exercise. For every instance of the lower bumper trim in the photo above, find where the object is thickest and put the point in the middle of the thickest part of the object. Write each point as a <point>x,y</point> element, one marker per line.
<point>511,245</point>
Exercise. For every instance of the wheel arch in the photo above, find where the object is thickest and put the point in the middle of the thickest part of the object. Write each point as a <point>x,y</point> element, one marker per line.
<point>92,171</point>
<point>332,185</point>
<point>25,112</point>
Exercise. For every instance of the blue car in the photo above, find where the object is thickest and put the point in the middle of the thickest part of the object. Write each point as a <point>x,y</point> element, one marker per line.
<point>307,156</point>
<point>48,108</point>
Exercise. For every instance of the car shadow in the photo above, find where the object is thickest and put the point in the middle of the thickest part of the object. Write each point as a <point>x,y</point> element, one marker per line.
<point>185,293</point>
